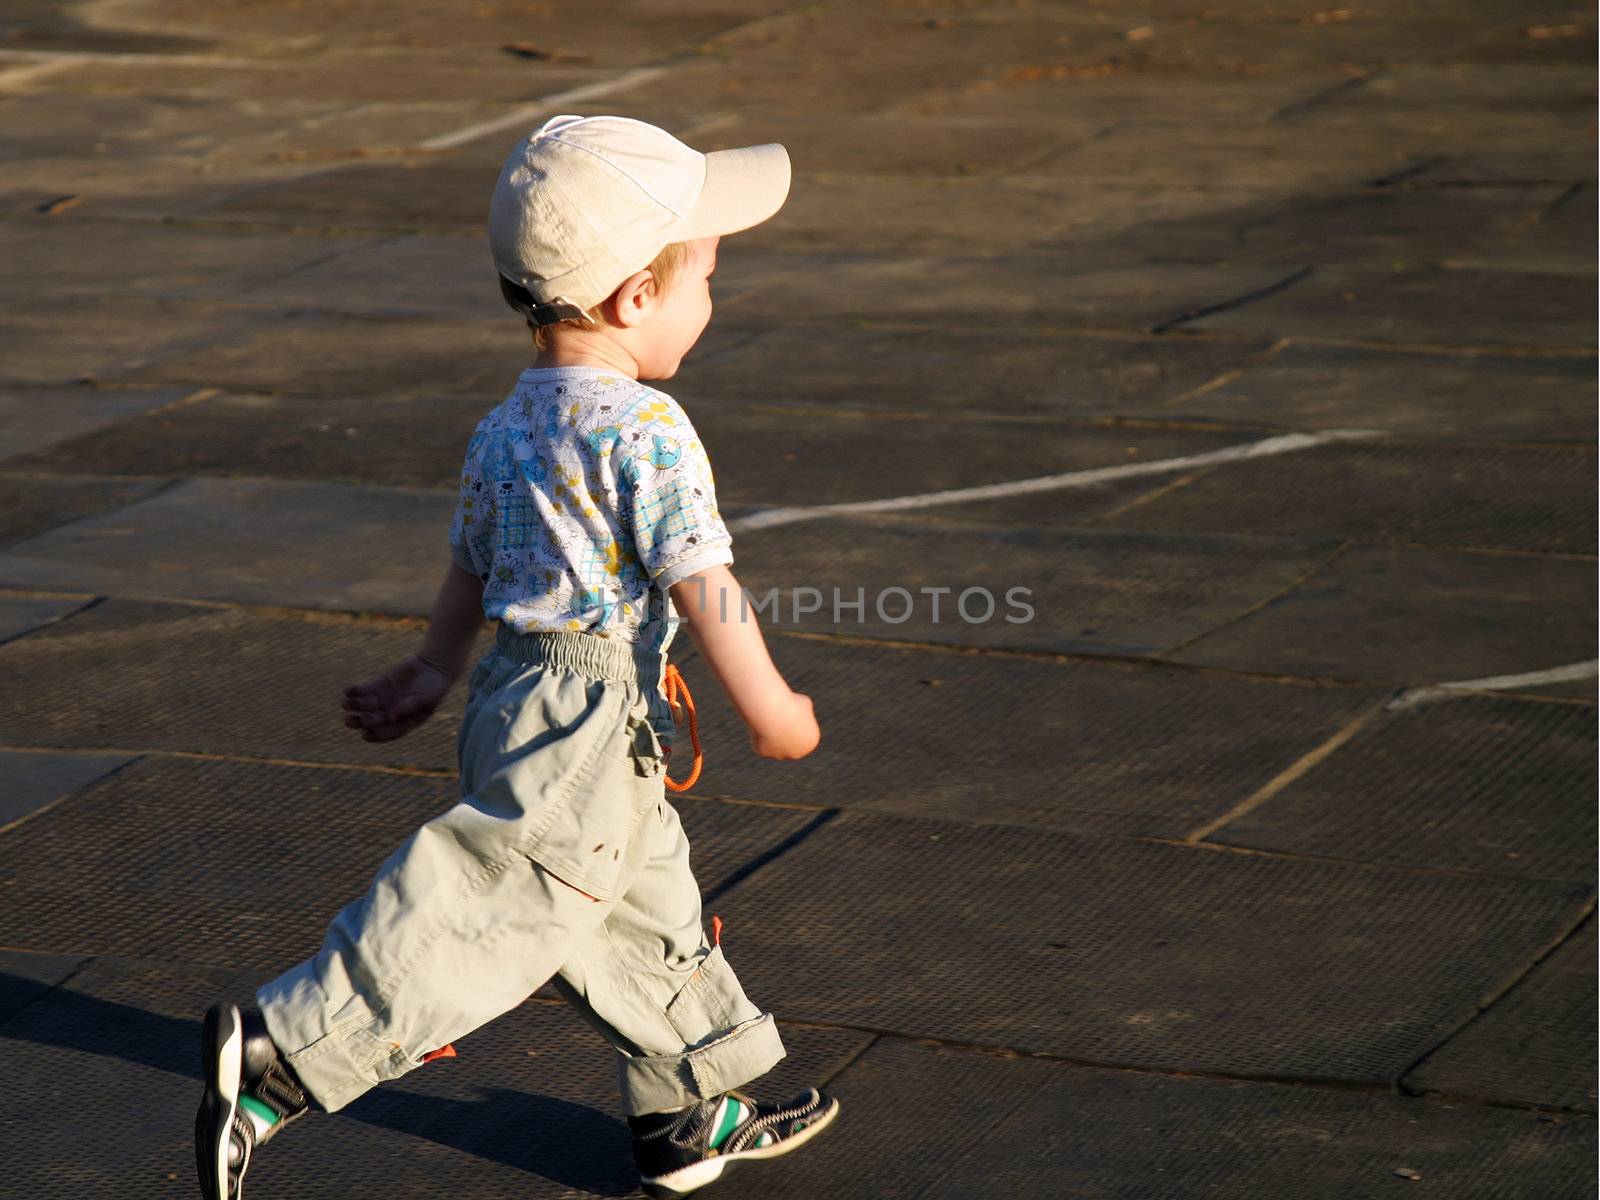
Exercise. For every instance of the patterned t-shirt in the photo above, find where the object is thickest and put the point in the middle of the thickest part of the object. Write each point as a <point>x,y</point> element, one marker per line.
<point>584,496</point>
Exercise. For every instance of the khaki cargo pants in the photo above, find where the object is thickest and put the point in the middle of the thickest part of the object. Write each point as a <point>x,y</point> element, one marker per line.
<point>562,859</point>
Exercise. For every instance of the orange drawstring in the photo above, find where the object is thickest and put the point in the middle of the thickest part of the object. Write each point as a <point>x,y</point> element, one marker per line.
<point>675,686</point>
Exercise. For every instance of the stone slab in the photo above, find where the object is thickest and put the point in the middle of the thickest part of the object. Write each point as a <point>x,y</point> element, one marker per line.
<point>1088,746</point>
<point>1052,288</point>
<point>149,187</point>
<point>1427,305</point>
<point>1477,783</point>
<point>58,122</point>
<point>1389,226</point>
<point>1529,498</point>
<point>1309,386</point>
<point>1165,957</point>
<point>62,340</point>
<point>983,1125</point>
<point>254,542</point>
<point>74,253</point>
<point>32,419</point>
<point>22,613</point>
<point>1104,85</point>
<point>1256,160</point>
<point>370,80</point>
<point>394,440</point>
<point>152,677</point>
<point>878,144</point>
<point>1498,103</point>
<point>527,1108</point>
<point>1535,1045</point>
<point>25,978</point>
<point>31,781</point>
<point>1100,593</point>
<point>1498,165</point>
<point>124,867</point>
<point>422,192</point>
<point>1413,616</point>
<point>370,356</point>
<point>924,373</point>
<point>853,60</point>
<point>410,273</point>
<point>31,505</point>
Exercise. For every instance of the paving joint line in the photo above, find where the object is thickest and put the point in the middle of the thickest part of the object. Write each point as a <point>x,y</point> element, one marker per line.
<point>1319,1082</point>
<point>1498,993</point>
<point>1261,293</point>
<point>1298,108</point>
<point>88,961</point>
<point>1294,856</point>
<point>89,602</point>
<point>1266,601</point>
<point>1420,167</point>
<point>1150,497</point>
<point>206,756</point>
<point>852,1059</point>
<point>1290,774</point>
<point>61,800</point>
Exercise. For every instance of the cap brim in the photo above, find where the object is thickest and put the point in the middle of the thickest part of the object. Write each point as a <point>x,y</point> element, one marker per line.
<point>743,188</point>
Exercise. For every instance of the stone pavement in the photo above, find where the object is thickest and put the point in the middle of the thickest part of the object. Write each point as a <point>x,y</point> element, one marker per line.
<point>1198,883</point>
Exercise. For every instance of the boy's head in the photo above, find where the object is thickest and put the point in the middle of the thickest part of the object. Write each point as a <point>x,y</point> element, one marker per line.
<point>609,226</point>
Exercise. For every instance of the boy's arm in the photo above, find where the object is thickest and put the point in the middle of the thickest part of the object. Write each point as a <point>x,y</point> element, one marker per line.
<point>405,695</point>
<point>782,723</point>
<point>453,627</point>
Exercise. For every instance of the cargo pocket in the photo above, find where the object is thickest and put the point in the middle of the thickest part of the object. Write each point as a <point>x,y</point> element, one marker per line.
<point>645,750</point>
<point>587,843</point>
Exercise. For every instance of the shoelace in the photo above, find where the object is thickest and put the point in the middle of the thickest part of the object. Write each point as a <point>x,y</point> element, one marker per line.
<point>676,687</point>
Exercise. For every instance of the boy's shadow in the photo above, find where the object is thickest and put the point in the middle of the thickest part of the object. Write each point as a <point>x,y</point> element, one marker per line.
<point>569,1144</point>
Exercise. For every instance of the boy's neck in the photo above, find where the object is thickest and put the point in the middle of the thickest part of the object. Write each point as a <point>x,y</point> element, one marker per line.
<point>586,348</point>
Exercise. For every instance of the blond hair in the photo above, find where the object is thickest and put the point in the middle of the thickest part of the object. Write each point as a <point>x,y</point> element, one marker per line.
<point>664,266</point>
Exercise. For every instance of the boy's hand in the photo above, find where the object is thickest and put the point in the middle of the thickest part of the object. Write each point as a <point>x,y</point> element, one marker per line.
<point>396,702</point>
<point>790,733</point>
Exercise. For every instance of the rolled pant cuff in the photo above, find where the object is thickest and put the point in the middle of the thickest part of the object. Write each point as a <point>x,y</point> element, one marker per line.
<point>652,1083</point>
<point>337,1061</point>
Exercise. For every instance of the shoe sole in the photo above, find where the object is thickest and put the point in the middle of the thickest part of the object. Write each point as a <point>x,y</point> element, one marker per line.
<point>679,1183</point>
<point>222,1062</point>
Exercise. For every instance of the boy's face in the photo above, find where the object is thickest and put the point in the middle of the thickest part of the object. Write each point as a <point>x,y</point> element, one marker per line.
<point>681,316</point>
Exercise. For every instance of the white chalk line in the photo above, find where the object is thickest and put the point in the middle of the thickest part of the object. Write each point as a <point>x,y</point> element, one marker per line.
<point>1285,444</point>
<point>525,114</point>
<point>1494,683</point>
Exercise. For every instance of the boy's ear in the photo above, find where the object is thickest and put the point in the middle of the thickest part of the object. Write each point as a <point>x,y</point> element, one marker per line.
<point>635,299</point>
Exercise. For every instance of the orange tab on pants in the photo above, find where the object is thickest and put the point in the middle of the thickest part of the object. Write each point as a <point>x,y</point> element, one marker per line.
<point>448,1051</point>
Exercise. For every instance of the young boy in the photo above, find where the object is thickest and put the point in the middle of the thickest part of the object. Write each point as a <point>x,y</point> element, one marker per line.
<point>586,526</point>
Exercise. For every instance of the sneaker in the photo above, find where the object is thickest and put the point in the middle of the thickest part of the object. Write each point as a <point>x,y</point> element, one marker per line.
<point>680,1152</point>
<point>250,1095</point>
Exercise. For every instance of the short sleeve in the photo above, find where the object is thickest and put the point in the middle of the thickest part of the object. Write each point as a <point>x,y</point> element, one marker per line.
<point>471,528</point>
<point>670,502</point>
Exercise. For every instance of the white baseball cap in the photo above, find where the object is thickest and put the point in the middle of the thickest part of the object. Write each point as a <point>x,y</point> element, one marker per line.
<point>584,202</point>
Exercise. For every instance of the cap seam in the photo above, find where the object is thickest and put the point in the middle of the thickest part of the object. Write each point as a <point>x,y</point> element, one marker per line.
<point>620,170</point>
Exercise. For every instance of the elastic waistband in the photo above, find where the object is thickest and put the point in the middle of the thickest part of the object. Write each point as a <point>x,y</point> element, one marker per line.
<point>585,653</point>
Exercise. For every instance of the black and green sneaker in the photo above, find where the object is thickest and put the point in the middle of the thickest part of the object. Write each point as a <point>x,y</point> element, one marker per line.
<point>250,1095</point>
<point>680,1152</point>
